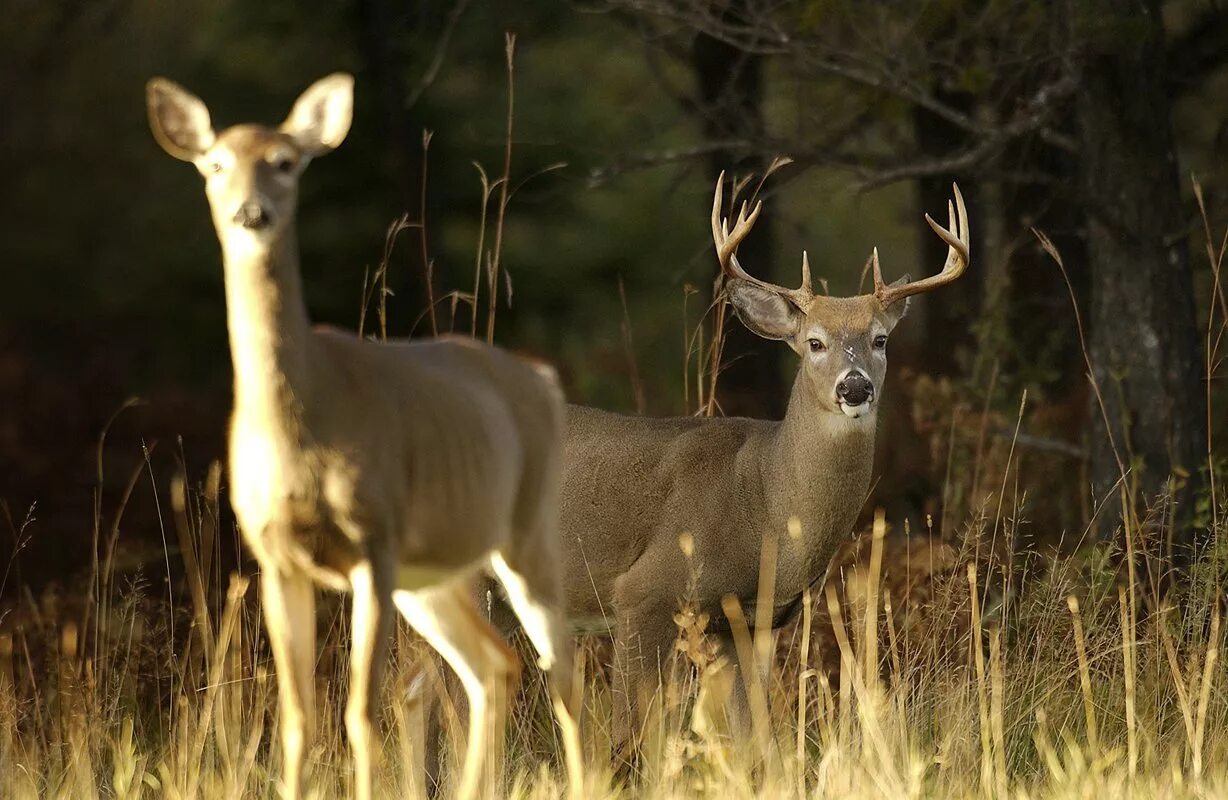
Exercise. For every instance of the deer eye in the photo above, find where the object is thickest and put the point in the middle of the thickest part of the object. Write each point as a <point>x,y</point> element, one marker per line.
<point>817,346</point>
<point>215,167</point>
<point>282,162</point>
<point>880,342</point>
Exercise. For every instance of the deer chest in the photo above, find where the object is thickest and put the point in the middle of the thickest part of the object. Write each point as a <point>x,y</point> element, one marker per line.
<point>288,509</point>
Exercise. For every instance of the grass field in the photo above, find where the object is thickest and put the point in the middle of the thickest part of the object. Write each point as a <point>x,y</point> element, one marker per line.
<point>1070,683</point>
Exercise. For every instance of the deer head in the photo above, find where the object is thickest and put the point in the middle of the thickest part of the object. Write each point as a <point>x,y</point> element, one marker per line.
<point>842,340</point>
<point>251,171</point>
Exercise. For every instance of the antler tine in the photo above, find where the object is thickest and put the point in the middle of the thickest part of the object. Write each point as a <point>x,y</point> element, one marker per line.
<point>958,256</point>
<point>727,242</point>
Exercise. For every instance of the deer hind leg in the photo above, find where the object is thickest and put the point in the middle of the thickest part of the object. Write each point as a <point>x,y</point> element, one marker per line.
<point>289,616</point>
<point>371,628</point>
<point>737,705</point>
<point>439,712</point>
<point>435,715</point>
<point>447,619</point>
<point>537,608</point>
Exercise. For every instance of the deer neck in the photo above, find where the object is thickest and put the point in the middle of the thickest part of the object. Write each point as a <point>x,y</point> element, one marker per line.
<point>819,466</point>
<point>267,322</point>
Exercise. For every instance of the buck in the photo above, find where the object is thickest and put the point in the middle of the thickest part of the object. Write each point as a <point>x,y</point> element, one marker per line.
<point>393,471</point>
<point>632,485</point>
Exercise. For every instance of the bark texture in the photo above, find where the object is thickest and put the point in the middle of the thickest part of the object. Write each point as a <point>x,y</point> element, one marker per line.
<point>1144,346</point>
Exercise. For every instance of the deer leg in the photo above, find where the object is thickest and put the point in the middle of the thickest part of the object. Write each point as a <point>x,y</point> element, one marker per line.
<point>434,713</point>
<point>446,618</point>
<point>644,639</point>
<point>737,708</point>
<point>289,616</point>
<point>537,608</point>
<point>440,710</point>
<point>371,627</point>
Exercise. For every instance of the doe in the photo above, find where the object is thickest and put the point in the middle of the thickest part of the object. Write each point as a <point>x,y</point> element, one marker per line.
<point>394,471</point>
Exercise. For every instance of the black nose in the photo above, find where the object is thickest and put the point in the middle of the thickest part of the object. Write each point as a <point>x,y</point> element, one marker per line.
<point>855,389</point>
<point>251,215</point>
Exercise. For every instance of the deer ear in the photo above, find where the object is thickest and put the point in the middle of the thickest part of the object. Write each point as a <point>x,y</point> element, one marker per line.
<point>180,121</point>
<point>896,311</point>
<point>764,312</point>
<point>321,116</point>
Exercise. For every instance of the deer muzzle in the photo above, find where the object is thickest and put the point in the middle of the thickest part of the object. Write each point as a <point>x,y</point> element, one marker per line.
<point>251,215</point>
<point>854,391</point>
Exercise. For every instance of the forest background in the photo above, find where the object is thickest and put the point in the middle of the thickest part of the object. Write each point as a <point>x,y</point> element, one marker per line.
<point>1087,119</point>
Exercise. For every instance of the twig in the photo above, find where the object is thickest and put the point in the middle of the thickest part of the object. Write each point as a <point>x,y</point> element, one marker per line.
<point>1051,249</point>
<point>477,261</point>
<point>441,49</point>
<point>510,54</point>
<point>1211,348</point>
<point>428,266</point>
<point>380,279</point>
<point>637,387</point>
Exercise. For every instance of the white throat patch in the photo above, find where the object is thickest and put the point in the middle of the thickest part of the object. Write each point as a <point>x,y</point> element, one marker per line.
<point>857,411</point>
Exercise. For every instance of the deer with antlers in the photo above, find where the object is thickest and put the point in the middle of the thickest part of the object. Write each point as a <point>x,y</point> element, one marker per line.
<point>632,485</point>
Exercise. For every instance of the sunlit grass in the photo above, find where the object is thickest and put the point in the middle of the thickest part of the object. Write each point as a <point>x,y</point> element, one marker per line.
<point>1060,687</point>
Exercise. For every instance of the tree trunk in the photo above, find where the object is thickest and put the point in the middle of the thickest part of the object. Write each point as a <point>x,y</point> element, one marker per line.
<point>1043,350</point>
<point>731,93</point>
<point>1144,347</point>
<point>378,31</point>
<point>909,488</point>
<point>948,315</point>
<point>1040,349</point>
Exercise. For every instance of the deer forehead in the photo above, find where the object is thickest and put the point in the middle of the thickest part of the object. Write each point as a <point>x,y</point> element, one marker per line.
<point>248,142</point>
<point>844,316</point>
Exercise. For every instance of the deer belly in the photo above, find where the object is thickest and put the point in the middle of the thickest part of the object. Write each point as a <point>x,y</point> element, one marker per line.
<point>414,576</point>
<point>435,551</point>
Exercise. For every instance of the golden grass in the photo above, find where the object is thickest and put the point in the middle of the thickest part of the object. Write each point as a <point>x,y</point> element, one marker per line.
<point>1065,688</point>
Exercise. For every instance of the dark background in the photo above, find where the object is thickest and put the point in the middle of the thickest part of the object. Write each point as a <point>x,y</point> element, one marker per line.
<point>1086,118</point>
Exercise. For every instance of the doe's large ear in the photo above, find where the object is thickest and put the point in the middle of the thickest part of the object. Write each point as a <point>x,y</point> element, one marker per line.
<point>764,312</point>
<point>180,121</point>
<point>896,311</point>
<point>321,116</point>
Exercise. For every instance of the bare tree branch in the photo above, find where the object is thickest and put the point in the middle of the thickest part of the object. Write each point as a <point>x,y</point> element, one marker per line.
<point>880,61</point>
<point>441,50</point>
<point>1029,119</point>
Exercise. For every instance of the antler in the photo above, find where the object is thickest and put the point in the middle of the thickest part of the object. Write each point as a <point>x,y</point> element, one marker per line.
<point>727,242</point>
<point>958,241</point>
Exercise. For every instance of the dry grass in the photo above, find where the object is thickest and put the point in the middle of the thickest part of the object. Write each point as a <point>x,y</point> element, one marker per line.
<point>1063,688</point>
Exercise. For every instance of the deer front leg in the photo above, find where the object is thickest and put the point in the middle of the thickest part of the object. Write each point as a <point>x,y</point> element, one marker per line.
<point>737,706</point>
<point>289,616</point>
<point>644,639</point>
<point>371,626</point>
